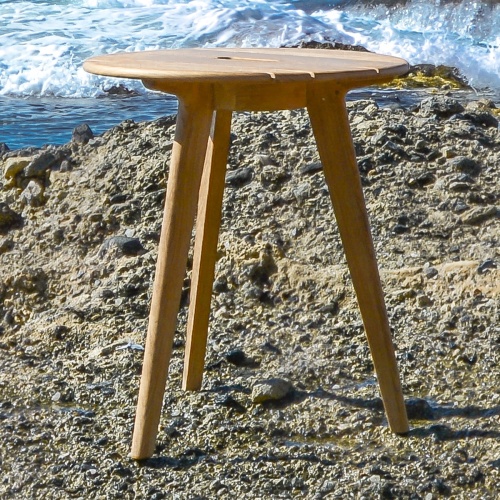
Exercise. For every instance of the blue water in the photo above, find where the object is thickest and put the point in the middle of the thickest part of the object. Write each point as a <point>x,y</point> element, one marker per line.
<point>44,91</point>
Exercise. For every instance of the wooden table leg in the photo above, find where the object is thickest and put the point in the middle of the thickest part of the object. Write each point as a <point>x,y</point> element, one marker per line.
<point>191,137</point>
<point>328,114</point>
<point>205,248</point>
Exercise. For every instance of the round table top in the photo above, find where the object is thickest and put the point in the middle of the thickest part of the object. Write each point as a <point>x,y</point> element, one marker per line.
<point>249,65</point>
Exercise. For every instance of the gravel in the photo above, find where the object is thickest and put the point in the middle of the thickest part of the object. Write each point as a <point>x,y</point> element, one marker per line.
<point>77,263</point>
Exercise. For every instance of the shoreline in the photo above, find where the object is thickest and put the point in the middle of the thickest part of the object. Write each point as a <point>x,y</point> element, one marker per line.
<point>59,115</point>
<point>79,229</point>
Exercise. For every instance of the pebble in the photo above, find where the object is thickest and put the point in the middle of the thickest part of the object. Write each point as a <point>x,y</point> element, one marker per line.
<point>311,168</point>
<point>442,106</point>
<point>423,301</point>
<point>479,214</point>
<point>236,357</point>
<point>430,272</point>
<point>419,409</point>
<point>272,389</point>
<point>273,177</point>
<point>465,165</point>
<point>127,245</point>
<point>265,160</point>
<point>239,177</point>
<point>32,194</point>
<point>485,265</point>
<point>82,134</point>
<point>12,166</point>
<point>6,244</point>
<point>40,164</point>
<point>9,219</point>
<point>400,229</point>
<point>302,192</point>
<point>228,401</point>
<point>459,187</point>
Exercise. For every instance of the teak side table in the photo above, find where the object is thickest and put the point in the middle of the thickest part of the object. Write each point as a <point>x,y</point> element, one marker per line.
<point>210,84</point>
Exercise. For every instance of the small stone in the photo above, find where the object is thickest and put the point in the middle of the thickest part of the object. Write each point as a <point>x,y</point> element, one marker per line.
<point>108,349</point>
<point>380,138</point>
<point>272,389</point>
<point>421,180</point>
<point>430,272</point>
<point>228,401</point>
<point>118,198</point>
<point>459,187</point>
<point>311,168</point>
<point>128,246</point>
<point>328,486</point>
<point>421,145</point>
<point>441,106</point>
<point>479,214</point>
<point>273,176</point>
<point>465,165</point>
<point>102,441</point>
<point>423,301</point>
<point>12,166</point>
<point>82,134</point>
<point>59,332</point>
<point>32,194</point>
<point>459,206</point>
<point>9,219</point>
<point>332,308</point>
<point>65,166</point>
<point>419,409</point>
<point>6,244</point>
<point>236,357</point>
<point>485,265</point>
<point>448,153</point>
<point>240,177</point>
<point>265,160</point>
<point>400,229</point>
<point>40,164</point>
<point>302,192</point>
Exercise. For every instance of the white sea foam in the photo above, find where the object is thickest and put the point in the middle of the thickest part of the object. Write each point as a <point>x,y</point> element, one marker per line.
<point>43,43</point>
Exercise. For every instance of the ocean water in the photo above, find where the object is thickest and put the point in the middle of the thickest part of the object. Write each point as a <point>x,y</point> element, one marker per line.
<point>44,91</point>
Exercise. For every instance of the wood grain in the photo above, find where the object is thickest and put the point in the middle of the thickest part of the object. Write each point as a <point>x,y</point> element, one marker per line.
<point>215,82</point>
<point>326,106</point>
<point>354,69</point>
<point>205,249</point>
<point>191,136</point>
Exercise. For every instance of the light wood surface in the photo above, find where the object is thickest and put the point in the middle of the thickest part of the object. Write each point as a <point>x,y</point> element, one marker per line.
<point>205,249</point>
<point>249,65</point>
<point>188,154</point>
<point>326,107</point>
<point>210,84</point>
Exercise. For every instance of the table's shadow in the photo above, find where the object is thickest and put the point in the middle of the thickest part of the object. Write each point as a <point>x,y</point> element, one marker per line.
<point>419,409</point>
<point>422,410</point>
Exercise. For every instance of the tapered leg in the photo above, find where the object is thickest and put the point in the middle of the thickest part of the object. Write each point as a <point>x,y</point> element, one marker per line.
<point>191,137</point>
<point>205,249</point>
<point>326,106</point>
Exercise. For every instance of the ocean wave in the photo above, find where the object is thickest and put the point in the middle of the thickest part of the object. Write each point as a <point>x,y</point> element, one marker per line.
<point>43,44</point>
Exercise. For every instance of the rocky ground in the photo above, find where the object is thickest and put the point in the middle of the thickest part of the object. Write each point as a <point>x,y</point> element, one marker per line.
<point>79,228</point>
